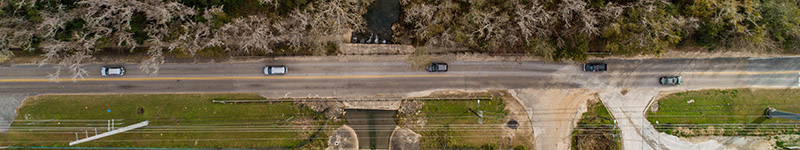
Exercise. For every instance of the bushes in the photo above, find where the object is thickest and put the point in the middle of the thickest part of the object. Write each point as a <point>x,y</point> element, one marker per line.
<point>782,21</point>
<point>729,24</point>
<point>623,27</point>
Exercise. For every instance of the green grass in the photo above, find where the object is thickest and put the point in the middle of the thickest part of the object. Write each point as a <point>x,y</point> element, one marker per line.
<point>451,123</point>
<point>176,120</point>
<point>596,125</point>
<point>741,110</point>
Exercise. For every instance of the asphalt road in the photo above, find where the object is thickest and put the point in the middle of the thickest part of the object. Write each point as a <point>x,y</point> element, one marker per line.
<point>329,79</point>
<point>395,77</point>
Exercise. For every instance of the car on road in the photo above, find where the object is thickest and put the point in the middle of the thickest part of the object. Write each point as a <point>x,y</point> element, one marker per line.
<point>437,67</point>
<point>594,67</point>
<point>275,70</point>
<point>670,80</point>
<point>112,71</point>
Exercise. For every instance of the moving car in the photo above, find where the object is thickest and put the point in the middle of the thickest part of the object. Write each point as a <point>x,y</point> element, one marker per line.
<point>437,67</point>
<point>670,80</point>
<point>113,71</point>
<point>594,67</point>
<point>275,70</point>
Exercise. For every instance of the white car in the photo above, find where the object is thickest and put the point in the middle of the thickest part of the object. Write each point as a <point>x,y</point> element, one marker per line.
<point>275,70</point>
<point>114,71</point>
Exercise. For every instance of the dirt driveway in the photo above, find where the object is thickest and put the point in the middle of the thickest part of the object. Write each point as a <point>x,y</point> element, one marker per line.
<point>554,112</point>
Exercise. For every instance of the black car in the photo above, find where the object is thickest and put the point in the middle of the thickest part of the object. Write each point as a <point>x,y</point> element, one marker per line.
<point>594,67</point>
<point>437,67</point>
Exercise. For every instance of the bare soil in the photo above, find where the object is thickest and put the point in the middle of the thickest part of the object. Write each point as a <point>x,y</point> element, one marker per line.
<point>554,113</point>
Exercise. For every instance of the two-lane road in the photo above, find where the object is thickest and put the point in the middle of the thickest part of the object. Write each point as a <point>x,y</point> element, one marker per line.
<point>396,77</point>
<point>302,79</point>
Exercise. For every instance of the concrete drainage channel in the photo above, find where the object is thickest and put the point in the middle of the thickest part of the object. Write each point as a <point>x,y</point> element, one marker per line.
<point>373,127</point>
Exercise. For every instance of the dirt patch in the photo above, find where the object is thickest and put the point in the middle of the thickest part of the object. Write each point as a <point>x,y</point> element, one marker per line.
<point>333,109</point>
<point>554,113</point>
<point>523,134</point>
<point>343,138</point>
<point>410,115</point>
<point>404,139</point>
<point>373,49</point>
<point>380,105</point>
<point>448,93</point>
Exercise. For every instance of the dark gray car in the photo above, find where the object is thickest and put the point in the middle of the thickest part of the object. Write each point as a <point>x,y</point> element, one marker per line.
<point>437,67</point>
<point>594,67</point>
<point>670,80</point>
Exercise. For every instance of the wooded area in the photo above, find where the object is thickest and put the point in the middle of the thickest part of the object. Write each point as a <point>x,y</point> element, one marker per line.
<point>567,29</point>
<point>68,32</point>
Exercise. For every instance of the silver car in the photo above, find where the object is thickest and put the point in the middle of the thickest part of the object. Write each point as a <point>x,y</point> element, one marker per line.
<point>275,70</point>
<point>112,71</point>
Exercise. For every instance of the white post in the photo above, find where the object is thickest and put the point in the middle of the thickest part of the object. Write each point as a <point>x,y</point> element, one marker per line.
<point>87,133</point>
<point>95,131</point>
<point>76,136</point>
<point>112,124</point>
<point>123,129</point>
<point>108,127</point>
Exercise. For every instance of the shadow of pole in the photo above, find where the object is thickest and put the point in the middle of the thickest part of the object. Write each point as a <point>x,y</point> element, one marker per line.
<point>755,124</point>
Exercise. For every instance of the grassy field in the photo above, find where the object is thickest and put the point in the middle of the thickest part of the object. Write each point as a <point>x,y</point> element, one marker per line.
<point>726,112</point>
<point>596,130</point>
<point>451,124</point>
<point>176,120</point>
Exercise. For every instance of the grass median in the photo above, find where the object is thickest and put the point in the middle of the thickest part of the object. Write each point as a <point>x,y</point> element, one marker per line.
<point>176,120</point>
<point>725,112</point>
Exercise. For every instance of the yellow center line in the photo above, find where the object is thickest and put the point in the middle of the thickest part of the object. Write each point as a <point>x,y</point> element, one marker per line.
<point>236,78</point>
<point>332,77</point>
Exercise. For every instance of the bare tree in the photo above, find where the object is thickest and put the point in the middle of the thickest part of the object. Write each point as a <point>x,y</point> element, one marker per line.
<point>533,20</point>
<point>109,19</point>
<point>331,18</point>
<point>576,17</point>
<point>431,22</point>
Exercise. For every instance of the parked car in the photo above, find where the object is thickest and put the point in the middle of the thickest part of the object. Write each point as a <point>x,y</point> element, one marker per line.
<point>112,71</point>
<point>437,67</point>
<point>594,67</point>
<point>275,70</point>
<point>670,80</point>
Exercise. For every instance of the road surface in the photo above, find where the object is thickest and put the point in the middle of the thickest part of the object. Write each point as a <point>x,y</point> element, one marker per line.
<point>394,77</point>
<point>342,79</point>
